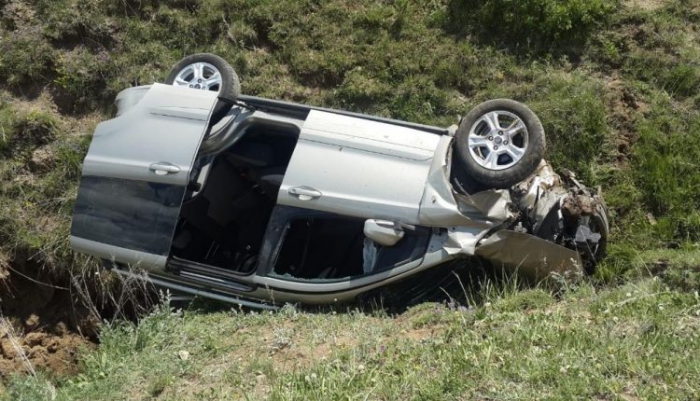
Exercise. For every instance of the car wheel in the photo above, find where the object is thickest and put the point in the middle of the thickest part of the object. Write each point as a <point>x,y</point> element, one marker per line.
<point>204,71</point>
<point>500,143</point>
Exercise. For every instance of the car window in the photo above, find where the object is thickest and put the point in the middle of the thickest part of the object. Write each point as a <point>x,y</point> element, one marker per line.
<point>143,219</point>
<point>335,248</point>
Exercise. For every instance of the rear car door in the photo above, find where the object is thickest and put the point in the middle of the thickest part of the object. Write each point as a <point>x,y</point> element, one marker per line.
<point>135,176</point>
<point>358,167</point>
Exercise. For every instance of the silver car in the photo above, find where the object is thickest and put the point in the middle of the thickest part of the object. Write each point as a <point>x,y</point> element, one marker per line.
<point>261,202</point>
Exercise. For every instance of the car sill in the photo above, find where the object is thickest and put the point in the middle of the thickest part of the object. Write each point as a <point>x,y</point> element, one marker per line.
<point>165,283</point>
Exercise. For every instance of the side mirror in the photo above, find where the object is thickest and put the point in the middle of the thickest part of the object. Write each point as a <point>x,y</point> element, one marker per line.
<point>383,232</point>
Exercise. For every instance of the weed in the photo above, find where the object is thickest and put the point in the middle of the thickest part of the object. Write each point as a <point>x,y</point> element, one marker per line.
<point>532,24</point>
<point>666,171</point>
<point>26,58</point>
<point>572,109</point>
<point>591,343</point>
<point>24,131</point>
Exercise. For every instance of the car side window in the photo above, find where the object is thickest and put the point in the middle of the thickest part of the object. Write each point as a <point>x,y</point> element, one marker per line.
<point>335,248</point>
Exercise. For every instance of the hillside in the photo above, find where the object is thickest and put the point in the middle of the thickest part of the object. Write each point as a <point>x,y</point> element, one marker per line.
<point>635,342</point>
<point>615,84</point>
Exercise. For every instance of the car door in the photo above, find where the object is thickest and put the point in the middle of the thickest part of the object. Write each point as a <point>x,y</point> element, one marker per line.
<point>135,176</point>
<point>357,167</point>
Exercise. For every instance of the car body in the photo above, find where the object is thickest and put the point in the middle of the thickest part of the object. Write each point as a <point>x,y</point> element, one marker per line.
<point>280,202</point>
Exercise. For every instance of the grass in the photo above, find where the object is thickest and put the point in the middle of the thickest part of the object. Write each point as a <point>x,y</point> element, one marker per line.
<point>40,162</point>
<point>616,92</point>
<point>616,87</point>
<point>532,25</point>
<point>631,342</point>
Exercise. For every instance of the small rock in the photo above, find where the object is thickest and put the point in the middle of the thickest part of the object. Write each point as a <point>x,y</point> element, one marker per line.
<point>60,329</point>
<point>32,321</point>
<point>183,355</point>
<point>651,219</point>
<point>7,349</point>
<point>34,339</point>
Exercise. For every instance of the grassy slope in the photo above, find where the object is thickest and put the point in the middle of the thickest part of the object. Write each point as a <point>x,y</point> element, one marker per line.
<point>618,100</point>
<point>638,341</point>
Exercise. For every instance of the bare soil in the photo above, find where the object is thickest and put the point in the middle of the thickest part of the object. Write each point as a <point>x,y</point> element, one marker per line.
<point>50,352</point>
<point>41,328</point>
<point>625,109</point>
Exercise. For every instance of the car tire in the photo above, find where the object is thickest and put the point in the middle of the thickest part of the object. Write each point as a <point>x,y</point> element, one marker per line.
<point>598,223</point>
<point>184,74</point>
<point>517,149</point>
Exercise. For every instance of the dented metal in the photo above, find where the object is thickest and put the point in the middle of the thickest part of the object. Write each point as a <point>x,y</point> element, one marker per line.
<point>522,211</point>
<point>528,255</point>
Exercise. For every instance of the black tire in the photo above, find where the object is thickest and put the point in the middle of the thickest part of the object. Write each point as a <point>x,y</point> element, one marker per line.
<point>523,168</point>
<point>230,87</point>
<point>598,223</point>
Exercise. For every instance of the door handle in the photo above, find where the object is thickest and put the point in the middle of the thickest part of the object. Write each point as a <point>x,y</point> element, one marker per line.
<point>164,168</point>
<point>304,193</point>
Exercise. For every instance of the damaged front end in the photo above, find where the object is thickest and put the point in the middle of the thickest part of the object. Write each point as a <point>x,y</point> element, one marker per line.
<point>548,223</point>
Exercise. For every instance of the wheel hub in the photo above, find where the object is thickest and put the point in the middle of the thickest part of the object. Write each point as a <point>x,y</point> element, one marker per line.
<point>498,140</point>
<point>201,76</point>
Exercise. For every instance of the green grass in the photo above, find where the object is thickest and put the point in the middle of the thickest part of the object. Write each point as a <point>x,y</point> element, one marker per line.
<point>40,161</point>
<point>616,88</point>
<point>636,341</point>
<point>616,91</point>
<point>532,25</point>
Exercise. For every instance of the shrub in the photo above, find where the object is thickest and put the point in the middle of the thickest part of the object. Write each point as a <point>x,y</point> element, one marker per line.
<point>25,57</point>
<point>665,169</point>
<point>81,79</point>
<point>22,132</point>
<point>539,24</point>
<point>677,75</point>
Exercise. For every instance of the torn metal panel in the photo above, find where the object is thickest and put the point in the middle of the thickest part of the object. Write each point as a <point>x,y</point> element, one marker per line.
<point>494,205</point>
<point>535,196</point>
<point>543,183</point>
<point>530,256</point>
<point>463,240</point>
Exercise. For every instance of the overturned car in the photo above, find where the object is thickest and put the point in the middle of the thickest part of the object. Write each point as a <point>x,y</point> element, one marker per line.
<point>261,202</point>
